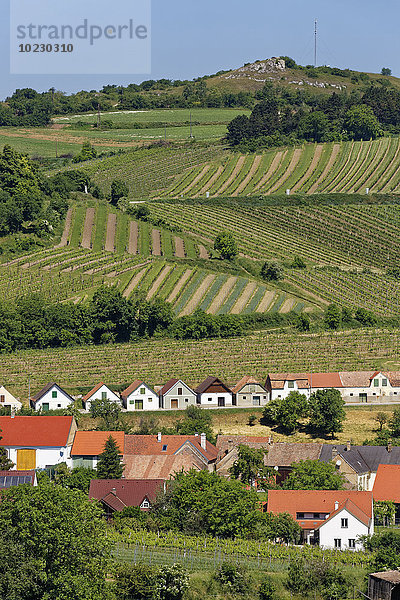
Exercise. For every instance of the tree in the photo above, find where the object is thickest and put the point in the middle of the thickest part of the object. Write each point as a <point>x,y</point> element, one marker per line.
<point>54,545</point>
<point>303,322</point>
<point>313,475</point>
<point>238,129</point>
<point>381,418</point>
<point>196,420</point>
<point>249,466</point>
<point>333,316</point>
<point>394,423</point>
<point>109,465</point>
<point>365,317</point>
<point>225,244</point>
<point>5,463</point>
<point>290,409</point>
<point>271,271</point>
<point>137,581</point>
<point>327,411</point>
<point>119,189</point>
<point>386,550</point>
<point>361,123</point>
<point>87,153</point>
<point>385,71</point>
<point>78,478</point>
<point>108,411</point>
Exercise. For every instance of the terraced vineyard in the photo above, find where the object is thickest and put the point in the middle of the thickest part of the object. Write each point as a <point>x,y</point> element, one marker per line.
<point>312,168</point>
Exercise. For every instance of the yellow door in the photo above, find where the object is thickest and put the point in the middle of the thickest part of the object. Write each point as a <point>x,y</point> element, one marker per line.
<point>26,459</point>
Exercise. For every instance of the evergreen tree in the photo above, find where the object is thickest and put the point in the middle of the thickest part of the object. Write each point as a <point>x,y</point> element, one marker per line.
<point>109,465</point>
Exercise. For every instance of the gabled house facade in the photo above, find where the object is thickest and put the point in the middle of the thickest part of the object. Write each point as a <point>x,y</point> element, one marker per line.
<point>139,396</point>
<point>88,445</point>
<point>38,442</point>
<point>51,397</point>
<point>328,518</point>
<point>99,392</point>
<point>117,494</point>
<point>176,395</point>
<point>214,393</point>
<point>7,400</point>
<point>250,392</point>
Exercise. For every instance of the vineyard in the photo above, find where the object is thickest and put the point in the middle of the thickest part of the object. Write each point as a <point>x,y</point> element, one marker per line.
<point>345,167</point>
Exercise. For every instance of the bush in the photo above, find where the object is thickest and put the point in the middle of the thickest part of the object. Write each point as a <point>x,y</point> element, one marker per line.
<point>271,271</point>
<point>172,582</point>
<point>267,589</point>
<point>232,577</point>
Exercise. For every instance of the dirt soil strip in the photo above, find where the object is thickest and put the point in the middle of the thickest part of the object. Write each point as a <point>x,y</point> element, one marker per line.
<point>197,296</point>
<point>133,283</point>
<point>311,168</point>
<point>67,227</point>
<point>133,237</point>
<point>111,227</point>
<point>203,252</point>
<point>272,168</point>
<point>293,164</point>
<point>287,305</point>
<point>210,182</point>
<point>160,279</point>
<point>244,298</point>
<point>179,285</point>
<point>87,228</point>
<point>155,242</point>
<point>329,164</point>
<point>250,174</point>
<point>231,177</point>
<point>222,295</point>
<point>266,301</point>
<point>179,247</point>
<point>196,179</point>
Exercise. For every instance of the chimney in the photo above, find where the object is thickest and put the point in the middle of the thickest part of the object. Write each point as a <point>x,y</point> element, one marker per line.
<point>159,436</point>
<point>336,505</point>
<point>114,491</point>
<point>270,440</point>
<point>389,446</point>
<point>203,441</point>
<point>12,412</point>
<point>334,452</point>
<point>348,446</point>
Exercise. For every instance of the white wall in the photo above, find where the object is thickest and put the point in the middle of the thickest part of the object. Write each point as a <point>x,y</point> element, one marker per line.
<point>9,399</point>
<point>333,529</point>
<point>62,400</point>
<point>211,399</point>
<point>245,396</point>
<point>150,399</point>
<point>285,391</point>
<point>44,455</point>
<point>98,395</point>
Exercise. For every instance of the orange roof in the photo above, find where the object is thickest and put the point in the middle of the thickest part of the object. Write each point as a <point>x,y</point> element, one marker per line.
<point>387,483</point>
<point>318,501</point>
<point>147,445</point>
<point>92,391</point>
<point>244,381</point>
<point>325,380</point>
<point>45,431</point>
<point>134,386</point>
<point>304,380</point>
<point>91,443</point>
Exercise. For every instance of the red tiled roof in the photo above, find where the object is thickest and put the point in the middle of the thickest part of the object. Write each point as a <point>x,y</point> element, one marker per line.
<point>91,443</point>
<point>161,467</point>
<point>148,445</point>
<point>325,380</point>
<point>244,381</point>
<point>352,508</point>
<point>387,484</point>
<point>128,492</point>
<point>46,431</point>
<point>92,391</point>
<point>167,386</point>
<point>304,380</point>
<point>131,388</point>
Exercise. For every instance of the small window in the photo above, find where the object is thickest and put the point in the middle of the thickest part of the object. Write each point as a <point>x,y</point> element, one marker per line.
<point>300,515</point>
<point>373,393</point>
<point>142,391</point>
<point>351,393</point>
<point>186,399</point>
<point>54,394</point>
<point>384,382</point>
<point>338,543</point>
<point>209,399</point>
<point>180,392</point>
<point>150,399</point>
<point>164,448</point>
<point>243,397</point>
<point>290,384</point>
<point>376,382</point>
<point>2,398</point>
<point>352,543</point>
<point>344,523</point>
<point>104,395</point>
<point>131,401</point>
<point>58,405</point>
<point>395,393</point>
<point>265,397</point>
<point>145,504</point>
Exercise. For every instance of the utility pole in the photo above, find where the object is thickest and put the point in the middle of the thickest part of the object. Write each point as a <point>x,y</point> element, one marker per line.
<point>56,147</point>
<point>190,125</point>
<point>165,132</point>
<point>315,42</point>
<point>29,390</point>
<point>98,116</point>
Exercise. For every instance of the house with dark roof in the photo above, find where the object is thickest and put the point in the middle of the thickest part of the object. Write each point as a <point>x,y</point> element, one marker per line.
<point>214,393</point>
<point>99,392</point>
<point>250,392</point>
<point>88,445</point>
<point>328,518</point>
<point>140,396</point>
<point>359,464</point>
<point>176,395</point>
<point>38,442</point>
<point>117,494</point>
<point>161,456</point>
<point>12,478</point>
<point>384,585</point>
<point>51,397</point>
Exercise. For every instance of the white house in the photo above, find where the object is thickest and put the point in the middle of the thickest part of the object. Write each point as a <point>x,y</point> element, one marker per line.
<point>249,392</point>
<point>38,442</point>
<point>175,394</point>
<point>99,392</point>
<point>345,526</point>
<point>51,397</point>
<point>139,396</point>
<point>7,400</point>
<point>213,393</point>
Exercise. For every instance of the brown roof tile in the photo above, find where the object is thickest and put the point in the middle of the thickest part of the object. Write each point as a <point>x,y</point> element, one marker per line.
<point>146,445</point>
<point>92,391</point>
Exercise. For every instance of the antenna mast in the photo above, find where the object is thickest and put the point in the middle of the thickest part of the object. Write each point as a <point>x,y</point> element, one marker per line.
<point>315,42</point>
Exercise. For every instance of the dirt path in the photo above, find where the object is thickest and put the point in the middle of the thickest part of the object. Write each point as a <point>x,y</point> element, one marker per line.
<point>133,283</point>
<point>179,247</point>
<point>198,295</point>
<point>272,168</point>
<point>250,174</point>
<point>196,179</point>
<point>311,168</point>
<point>222,295</point>
<point>328,167</point>
<point>111,228</point>
<point>231,177</point>
<point>67,227</point>
<point>155,242</point>
<point>160,279</point>
<point>244,298</point>
<point>287,305</point>
<point>203,252</point>
<point>210,182</point>
<point>179,285</point>
<point>266,301</point>
<point>53,134</point>
<point>87,228</point>
<point>133,237</point>
<point>292,165</point>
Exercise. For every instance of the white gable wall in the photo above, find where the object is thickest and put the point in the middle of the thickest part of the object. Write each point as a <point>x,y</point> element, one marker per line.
<point>62,399</point>
<point>210,399</point>
<point>7,399</point>
<point>289,386</point>
<point>333,529</point>
<point>110,395</point>
<point>144,396</point>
